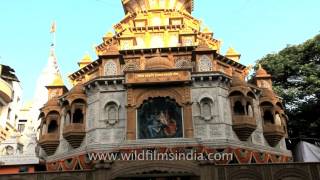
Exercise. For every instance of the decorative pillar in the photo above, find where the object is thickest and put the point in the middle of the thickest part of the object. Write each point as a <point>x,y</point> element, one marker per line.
<point>187,116</point>
<point>131,123</point>
<point>131,116</point>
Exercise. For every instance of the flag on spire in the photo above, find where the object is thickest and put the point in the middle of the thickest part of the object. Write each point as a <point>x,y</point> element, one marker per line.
<point>53,27</point>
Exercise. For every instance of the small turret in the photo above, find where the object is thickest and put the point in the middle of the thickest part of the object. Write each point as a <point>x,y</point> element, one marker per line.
<point>233,54</point>
<point>56,88</point>
<point>85,61</point>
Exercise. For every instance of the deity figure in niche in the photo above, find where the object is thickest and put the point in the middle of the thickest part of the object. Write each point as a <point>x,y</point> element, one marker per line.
<point>159,118</point>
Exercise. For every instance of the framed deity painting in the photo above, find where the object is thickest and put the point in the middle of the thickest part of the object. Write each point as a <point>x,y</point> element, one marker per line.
<point>159,118</point>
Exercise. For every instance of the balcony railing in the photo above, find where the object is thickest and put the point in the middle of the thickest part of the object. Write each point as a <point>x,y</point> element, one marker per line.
<point>244,120</point>
<point>273,133</point>
<point>74,128</point>
<point>50,137</point>
<point>243,126</point>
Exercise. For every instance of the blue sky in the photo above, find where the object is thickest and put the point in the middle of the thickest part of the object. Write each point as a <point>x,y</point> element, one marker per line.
<point>252,27</point>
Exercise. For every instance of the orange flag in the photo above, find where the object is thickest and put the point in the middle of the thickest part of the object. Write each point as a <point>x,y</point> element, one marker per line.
<point>53,27</point>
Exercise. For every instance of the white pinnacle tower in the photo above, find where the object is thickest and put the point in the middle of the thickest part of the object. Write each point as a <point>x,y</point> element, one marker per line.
<point>46,77</point>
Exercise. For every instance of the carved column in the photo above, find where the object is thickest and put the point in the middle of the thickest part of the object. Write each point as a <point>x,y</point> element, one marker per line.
<point>131,123</point>
<point>187,116</point>
<point>131,116</point>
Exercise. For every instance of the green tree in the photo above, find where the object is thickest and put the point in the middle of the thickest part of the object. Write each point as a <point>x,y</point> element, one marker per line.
<point>296,78</point>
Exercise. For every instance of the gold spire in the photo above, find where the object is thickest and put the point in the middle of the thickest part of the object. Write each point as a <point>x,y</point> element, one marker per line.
<point>57,82</point>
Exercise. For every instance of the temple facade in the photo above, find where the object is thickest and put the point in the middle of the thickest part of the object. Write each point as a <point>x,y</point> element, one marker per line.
<point>160,83</point>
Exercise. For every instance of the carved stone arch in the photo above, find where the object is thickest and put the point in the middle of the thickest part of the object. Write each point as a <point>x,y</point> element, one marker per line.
<point>206,105</point>
<point>291,173</point>
<point>163,167</point>
<point>279,104</point>
<point>205,95</point>
<point>236,92</point>
<point>53,112</point>
<point>245,173</point>
<point>111,111</point>
<point>72,101</point>
<point>112,101</point>
<point>171,93</point>
<point>251,94</point>
<point>266,103</point>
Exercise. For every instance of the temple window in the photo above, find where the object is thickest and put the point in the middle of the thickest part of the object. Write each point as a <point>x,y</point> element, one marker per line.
<point>53,118</point>
<point>53,126</point>
<point>205,64</point>
<point>268,117</point>
<point>110,68</point>
<point>78,110</point>
<point>206,108</point>
<point>78,116</point>
<point>238,108</point>
<point>267,109</point>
